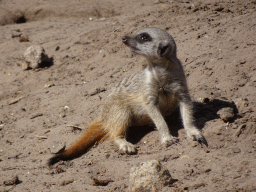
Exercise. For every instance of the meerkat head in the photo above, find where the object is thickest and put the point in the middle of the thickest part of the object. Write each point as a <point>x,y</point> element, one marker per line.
<point>152,43</point>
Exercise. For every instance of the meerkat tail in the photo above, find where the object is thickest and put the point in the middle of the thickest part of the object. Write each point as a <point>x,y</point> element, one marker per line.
<point>95,133</point>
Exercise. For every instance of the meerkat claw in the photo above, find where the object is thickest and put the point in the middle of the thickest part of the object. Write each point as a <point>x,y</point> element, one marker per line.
<point>200,139</point>
<point>170,142</point>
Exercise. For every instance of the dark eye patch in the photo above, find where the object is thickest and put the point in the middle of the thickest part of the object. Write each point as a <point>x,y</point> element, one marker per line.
<point>143,37</point>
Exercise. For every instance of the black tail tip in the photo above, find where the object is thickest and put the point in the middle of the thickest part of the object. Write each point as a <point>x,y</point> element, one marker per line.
<point>55,159</point>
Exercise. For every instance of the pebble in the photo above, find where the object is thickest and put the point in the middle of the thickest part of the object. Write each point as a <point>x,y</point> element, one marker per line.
<point>16,34</point>
<point>15,180</point>
<point>36,115</point>
<point>236,150</point>
<point>97,91</point>
<point>226,114</point>
<point>239,130</point>
<point>240,103</point>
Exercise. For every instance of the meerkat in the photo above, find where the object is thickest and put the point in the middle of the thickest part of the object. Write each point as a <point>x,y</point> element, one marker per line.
<point>143,98</point>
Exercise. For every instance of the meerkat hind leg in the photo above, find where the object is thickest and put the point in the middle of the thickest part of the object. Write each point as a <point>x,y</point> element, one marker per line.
<point>117,128</point>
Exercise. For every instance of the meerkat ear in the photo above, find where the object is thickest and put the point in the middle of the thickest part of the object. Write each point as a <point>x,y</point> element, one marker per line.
<point>164,49</point>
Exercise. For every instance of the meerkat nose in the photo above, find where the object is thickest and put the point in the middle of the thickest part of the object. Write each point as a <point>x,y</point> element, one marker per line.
<point>124,39</point>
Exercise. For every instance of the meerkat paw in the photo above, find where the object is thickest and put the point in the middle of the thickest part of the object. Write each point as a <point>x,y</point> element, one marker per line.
<point>168,141</point>
<point>196,135</point>
<point>126,147</point>
<point>200,139</point>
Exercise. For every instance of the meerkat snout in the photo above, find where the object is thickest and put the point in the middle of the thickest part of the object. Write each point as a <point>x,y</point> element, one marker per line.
<point>124,39</point>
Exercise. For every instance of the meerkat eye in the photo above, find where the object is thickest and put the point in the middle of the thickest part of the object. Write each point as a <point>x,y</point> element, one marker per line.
<point>144,37</point>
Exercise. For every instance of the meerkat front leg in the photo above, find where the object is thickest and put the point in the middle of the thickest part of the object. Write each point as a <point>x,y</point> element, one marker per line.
<point>151,100</point>
<point>186,110</point>
<point>166,138</point>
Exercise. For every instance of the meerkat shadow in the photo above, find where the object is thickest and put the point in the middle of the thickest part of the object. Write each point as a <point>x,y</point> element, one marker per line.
<point>136,133</point>
<point>207,110</point>
<point>203,112</point>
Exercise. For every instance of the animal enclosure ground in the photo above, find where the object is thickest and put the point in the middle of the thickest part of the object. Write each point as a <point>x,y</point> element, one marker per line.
<point>216,44</point>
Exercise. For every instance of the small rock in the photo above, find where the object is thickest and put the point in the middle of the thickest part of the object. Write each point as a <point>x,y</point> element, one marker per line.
<point>149,176</point>
<point>184,157</point>
<point>226,114</point>
<point>206,150</point>
<point>245,163</point>
<point>16,34</point>
<point>97,91</point>
<point>24,39</point>
<point>57,48</point>
<point>36,115</point>
<point>207,170</point>
<point>188,172</point>
<point>160,1</point>
<point>193,187</point>
<point>15,180</point>
<point>97,182</point>
<point>66,182</point>
<point>175,156</point>
<point>242,62</point>
<point>205,100</point>
<point>240,103</point>
<point>47,85</point>
<point>57,147</point>
<point>236,176</point>
<point>34,56</point>
<point>107,156</point>
<point>239,130</point>
<point>58,170</point>
<point>236,150</point>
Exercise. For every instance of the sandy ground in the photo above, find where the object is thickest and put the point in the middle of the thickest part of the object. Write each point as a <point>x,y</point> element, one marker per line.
<point>216,44</point>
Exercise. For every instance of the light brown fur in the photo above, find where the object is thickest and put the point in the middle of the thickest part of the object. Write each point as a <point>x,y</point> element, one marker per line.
<point>144,98</point>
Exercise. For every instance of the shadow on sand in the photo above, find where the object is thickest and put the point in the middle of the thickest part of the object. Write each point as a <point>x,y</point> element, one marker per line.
<point>203,112</point>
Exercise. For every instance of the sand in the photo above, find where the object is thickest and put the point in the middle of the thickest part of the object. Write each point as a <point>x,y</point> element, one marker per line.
<point>216,44</point>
